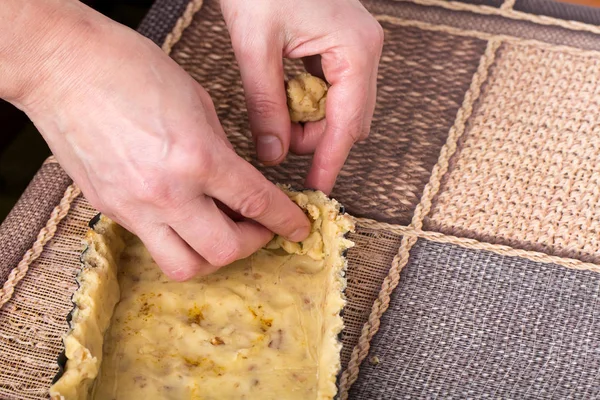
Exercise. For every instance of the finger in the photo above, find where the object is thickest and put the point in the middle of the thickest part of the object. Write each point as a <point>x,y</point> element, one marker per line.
<point>352,76</point>
<point>345,115</point>
<point>371,104</point>
<point>172,254</point>
<point>228,211</point>
<point>245,190</point>
<point>212,234</point>
<point>305,139</point>
<point>261,68</point>
<point>376,51</point>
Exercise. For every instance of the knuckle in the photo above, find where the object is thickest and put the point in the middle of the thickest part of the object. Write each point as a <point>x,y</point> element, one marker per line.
<point>363,136</point>
<point>245,52</point>
<point>194,160</point>
<point>152,189</point>
<point>355,135</point>
<point>202,164</point>
<point>162,186</point>
<point>353,128</point>
<point>326,164</point>
<point>256,204</point>
<point>224,253</point>
<point>372,35</point>
<point>261,105</point>
<point>205,98</point>
<point>247,47</point>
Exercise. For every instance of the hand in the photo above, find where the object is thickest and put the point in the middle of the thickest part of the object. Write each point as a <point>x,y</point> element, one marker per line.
<point>338,40</point>
<point>142,140</point>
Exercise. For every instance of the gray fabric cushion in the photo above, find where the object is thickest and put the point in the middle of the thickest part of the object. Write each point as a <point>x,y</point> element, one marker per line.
<point>556,9</point>
<point>161,19</point>
<point>474,324</point>
<point>492,3</point>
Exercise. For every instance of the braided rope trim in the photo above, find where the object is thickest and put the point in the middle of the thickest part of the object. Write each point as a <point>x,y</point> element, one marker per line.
<point>50,160</point>
<point>507,12</point>
<point>44,236</point>
<point>182,23</point>
<point>457,130</point>
<point>381,304</point>
<point>508,5</point>
<point>486,36</point>
<point>477,245</point>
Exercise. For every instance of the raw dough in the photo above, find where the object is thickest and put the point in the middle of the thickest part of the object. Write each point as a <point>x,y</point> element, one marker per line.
<point>265,327</point>
<point>306,95</point>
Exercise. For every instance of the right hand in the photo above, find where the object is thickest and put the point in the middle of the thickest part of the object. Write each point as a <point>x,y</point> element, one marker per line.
<point>142,140</point>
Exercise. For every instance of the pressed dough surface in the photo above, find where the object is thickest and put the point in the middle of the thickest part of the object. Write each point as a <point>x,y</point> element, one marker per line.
<point>251,330</point>
<point>264,327</point>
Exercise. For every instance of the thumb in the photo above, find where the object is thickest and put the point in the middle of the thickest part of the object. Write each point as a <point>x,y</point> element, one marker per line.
<point>261,68</point>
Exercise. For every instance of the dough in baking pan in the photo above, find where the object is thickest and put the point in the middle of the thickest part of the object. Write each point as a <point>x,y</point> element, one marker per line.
<point>265,327</point>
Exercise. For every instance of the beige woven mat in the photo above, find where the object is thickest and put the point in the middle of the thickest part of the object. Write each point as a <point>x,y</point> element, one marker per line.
<point>486,129</point>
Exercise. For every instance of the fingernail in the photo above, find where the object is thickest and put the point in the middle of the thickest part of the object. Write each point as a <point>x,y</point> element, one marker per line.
<point>268,148</point>
<point>300,234</point>
<point>182,275</point>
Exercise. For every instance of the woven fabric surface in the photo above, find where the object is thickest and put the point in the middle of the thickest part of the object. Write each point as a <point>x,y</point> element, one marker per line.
<point>21,226</point>
<point>161,18</point>
<point>484,133</point>
<point>368,264</point>
<point>33,321</point>
<point>486,25</point>
<point>474,324</point>
<point>491,3</point>
<point>524,174</point>
<point>561,10</point>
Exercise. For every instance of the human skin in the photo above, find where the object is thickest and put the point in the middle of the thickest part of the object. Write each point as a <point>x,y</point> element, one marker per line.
<point>142,139</point>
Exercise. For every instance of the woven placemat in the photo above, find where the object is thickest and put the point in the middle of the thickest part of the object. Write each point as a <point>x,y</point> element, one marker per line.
<point>485,137</point>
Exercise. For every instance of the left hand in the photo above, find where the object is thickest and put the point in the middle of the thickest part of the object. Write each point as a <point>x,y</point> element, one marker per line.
<point>338,40</point>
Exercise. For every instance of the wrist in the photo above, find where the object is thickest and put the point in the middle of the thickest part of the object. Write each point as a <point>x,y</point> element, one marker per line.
<point>37,45</point>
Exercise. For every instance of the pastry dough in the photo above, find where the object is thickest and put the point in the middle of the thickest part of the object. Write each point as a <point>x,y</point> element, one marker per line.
<point>306,96</point>
<point>265,327</point>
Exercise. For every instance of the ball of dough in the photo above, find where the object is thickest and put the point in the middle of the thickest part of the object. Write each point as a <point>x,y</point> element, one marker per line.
<point>306,96</point>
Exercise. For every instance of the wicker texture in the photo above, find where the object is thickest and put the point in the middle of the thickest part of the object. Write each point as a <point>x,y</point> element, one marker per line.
<point>526,174</point>
<point>469,243</point>
<point>408,129</point>
<point>44,236</point>
<point>34,319</point>
<point>480,21</point>
<point>368,264</point>
<point>29,214</point>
